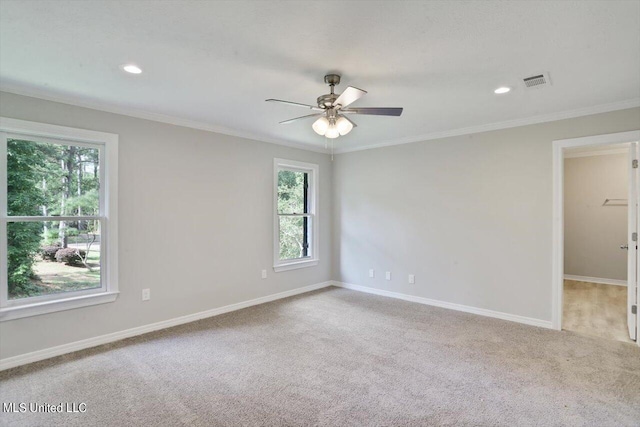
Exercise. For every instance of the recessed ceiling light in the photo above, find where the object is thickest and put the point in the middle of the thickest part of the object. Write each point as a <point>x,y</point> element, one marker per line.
<point>502,90</point>
<point>130,68</point>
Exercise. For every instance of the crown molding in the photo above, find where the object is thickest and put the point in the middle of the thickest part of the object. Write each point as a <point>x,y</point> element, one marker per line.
<point>156,117</point>
<point>178,121</point>
<point>551,117</point>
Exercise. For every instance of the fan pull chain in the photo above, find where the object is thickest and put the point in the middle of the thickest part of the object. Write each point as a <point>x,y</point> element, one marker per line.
<point>332,149</point>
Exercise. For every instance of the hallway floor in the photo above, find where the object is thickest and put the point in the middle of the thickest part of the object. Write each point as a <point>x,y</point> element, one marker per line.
<point>595,309</point>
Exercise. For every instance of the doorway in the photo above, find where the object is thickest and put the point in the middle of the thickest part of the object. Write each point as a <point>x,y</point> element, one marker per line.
<point>595,226</point>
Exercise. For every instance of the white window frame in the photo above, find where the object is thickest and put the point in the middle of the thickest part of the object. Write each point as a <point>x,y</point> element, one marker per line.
<point>312,195</point>
<point>107,144</point>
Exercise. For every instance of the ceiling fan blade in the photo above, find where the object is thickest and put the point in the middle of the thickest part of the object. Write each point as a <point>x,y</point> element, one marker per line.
<point>286,122</point>
<point>296,104</point>
<point>350,94</point>
<point>374,111</point>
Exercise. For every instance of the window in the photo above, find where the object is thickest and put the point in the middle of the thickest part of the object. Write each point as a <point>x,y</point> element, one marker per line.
<point>58,227</point>
<point>296,220</point>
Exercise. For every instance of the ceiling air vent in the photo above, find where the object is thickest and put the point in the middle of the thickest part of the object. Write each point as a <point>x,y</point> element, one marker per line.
<point>537,81</point>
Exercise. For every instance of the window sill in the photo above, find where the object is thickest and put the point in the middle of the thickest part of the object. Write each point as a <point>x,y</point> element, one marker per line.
<point>295,265</point>
<point>28,310</point>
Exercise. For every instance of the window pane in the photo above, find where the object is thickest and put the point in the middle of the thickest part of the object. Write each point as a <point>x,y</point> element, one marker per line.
<point>52,179</point>
<point>291,192</point>
<point>52,257</point>
<point>294,237</point>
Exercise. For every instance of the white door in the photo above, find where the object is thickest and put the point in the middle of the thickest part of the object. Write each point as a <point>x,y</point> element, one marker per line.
<point>632,264</point>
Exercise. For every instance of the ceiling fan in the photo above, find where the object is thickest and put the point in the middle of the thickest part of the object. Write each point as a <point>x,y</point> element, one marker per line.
<point>332,109</point>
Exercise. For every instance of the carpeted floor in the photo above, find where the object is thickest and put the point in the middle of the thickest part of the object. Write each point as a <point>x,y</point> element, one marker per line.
<point>339,357</point>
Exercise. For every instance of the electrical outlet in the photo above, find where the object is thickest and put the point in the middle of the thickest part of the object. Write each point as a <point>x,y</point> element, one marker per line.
<point>372,273</point>
<point>388,275</point>
<point>146,294</point>
<point>264,274</point>
<point>412,279</point>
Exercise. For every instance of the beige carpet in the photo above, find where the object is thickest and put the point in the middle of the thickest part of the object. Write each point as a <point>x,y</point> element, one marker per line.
<point>338,357</point>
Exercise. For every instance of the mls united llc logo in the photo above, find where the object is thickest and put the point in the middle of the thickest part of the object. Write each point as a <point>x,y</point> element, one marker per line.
<point>23,407</point>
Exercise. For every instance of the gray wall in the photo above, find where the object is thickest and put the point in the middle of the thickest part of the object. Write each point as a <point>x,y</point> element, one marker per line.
<point>593,233</point>
<point>470,216</point>
<point>195,225</point>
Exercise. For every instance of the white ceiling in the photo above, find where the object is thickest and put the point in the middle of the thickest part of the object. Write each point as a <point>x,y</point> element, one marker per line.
<point>212,64</point>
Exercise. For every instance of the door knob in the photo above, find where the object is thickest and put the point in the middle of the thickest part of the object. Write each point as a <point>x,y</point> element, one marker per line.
<point>624,246</point>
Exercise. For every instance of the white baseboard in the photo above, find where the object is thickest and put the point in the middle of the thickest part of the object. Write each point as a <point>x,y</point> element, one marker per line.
<point>23,359</point>
<point>600,280</point>
<point>452,306</point>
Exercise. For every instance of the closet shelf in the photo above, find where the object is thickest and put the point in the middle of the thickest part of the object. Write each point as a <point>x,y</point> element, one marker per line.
<point>615,202</point>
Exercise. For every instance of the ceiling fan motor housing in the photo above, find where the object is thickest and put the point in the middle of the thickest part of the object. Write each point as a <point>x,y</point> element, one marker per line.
<point>326,101</point>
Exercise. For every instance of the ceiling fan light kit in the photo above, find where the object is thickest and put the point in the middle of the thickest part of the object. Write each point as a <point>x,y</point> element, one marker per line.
<point>332,110</point>
<point>332,125</point>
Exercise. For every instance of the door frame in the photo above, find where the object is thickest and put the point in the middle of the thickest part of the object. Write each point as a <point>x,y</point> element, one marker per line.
<point>559,147</point>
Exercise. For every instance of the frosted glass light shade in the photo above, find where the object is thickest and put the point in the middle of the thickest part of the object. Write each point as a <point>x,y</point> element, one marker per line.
<point>344,126</point>
<point>321,125</point>
<point>131,68</point>
<point>332,132</point>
